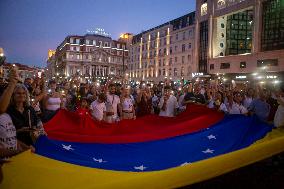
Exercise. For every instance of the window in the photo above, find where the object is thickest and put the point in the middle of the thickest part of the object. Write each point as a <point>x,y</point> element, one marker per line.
<point>183,48</point>
<point>272,35</point>
<point>177,36</point>
<point>77,41</point>
<point>182,59</point>
<point>221,45</point>
<point>190,33</point>
<point>171,61</point>
<point>189,46</point>
<point>176,59</point>
<point>225,66</point>
<point>164,72</point>
<point>188,57</point>
<point>176,47</point>
<point>243,64</point>
<point>239,33</point>
<point>183,35</point>
<point>164,62</point>
<point>170,71</point>
<point>267,62</point>
<point>165,41</point>
<point>159,73</point>
<point>165,50</point>
<point>171,50</point>
<point>211,66</point>
<point>182,71</point>
<point>175,71</point>
<point>159,62</point>
<point>71,40</point>
<point>106,44</point>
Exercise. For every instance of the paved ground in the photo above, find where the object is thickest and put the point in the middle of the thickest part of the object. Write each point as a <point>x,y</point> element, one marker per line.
<point>267,174</point>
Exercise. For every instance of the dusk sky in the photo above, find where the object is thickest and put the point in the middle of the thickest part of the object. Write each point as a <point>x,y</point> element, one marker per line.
<point>28,28</point>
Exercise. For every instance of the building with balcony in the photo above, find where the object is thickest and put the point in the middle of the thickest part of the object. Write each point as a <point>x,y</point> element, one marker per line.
<point>166,51</point>
<point>243,39</point>
<point>90,56</point>
<point>23,70</point>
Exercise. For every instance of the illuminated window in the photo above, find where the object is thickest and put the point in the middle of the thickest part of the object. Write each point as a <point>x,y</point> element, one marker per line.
<point>272,35</point>
<point>243,64</point>
<point>203,9</point>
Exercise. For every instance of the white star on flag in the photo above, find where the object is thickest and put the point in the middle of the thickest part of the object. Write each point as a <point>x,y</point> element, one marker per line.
<point>208,151</point>
<point>99,160</point>
<point>185,163</point>
<point>67,147</point>
<point>211,137</point>
<point>141,168</point>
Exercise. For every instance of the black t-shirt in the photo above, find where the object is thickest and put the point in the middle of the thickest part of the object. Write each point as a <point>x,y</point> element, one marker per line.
<point>200,98</point>
<point>189,96</point>
<point>21,120</point>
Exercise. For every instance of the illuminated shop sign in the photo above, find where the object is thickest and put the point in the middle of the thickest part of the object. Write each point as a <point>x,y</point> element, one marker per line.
<point>196,74</point>
<point>241,77</point>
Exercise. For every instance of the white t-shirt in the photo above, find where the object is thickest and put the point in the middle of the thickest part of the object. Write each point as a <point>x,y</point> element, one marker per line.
<point>237,109</point>
<point>247,101</point>
<point>8,138</point>
<point>155,101</point>
<point>279,115</point>
<point>111,104</point>
<point>98,109</point>
<point>223,108</point>
<point>172,104</point>
<point>127,104</point>
<point>180,100</point>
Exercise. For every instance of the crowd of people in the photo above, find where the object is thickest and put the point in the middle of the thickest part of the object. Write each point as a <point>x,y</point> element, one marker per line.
<point>24,107</point>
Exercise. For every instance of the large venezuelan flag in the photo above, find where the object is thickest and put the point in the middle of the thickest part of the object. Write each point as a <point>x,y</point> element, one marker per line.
<point>151,152</point>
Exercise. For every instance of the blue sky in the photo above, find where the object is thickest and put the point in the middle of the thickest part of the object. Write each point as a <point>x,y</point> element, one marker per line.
<point>28,28</point>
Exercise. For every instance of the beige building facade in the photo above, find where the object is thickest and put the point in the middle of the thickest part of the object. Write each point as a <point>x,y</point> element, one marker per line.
<point>90,56</point>
<point>166,51</point>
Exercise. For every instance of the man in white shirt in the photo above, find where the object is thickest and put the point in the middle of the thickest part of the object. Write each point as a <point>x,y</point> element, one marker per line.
<point>248,98</point>
<point>112,104</point>
<point>168,104</point>
<point>237,107</point>
<point>98,107</point>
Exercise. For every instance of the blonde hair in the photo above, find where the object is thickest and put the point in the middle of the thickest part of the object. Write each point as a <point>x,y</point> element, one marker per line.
<point>21,86</point>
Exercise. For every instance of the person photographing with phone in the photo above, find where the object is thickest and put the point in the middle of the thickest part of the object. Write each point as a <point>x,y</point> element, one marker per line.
<point>15,102</point>
<point>168,104</point>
